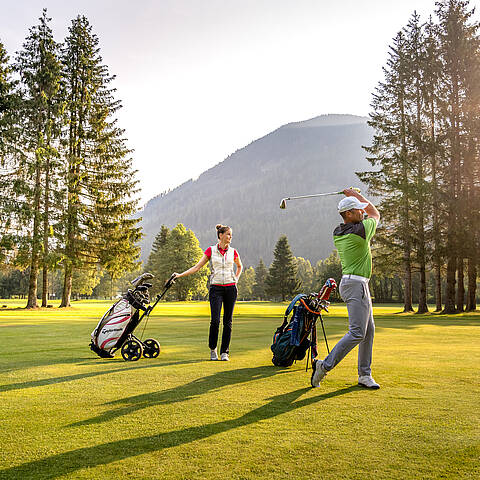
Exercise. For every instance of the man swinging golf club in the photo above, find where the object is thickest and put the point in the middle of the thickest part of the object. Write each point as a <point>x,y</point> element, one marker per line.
<point>352,240</point>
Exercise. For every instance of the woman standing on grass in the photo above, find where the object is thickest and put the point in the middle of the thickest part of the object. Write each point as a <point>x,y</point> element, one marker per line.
<point>223,288</point>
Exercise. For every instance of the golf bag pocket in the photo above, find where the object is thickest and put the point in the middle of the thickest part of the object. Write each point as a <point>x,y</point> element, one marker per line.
<point>297,324</point>
<point>112,325</point>
<point>284,353</point>
<point>282,349</point>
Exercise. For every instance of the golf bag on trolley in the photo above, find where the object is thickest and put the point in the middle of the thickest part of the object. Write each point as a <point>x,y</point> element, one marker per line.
<point>115,329</point>
<point>296,336</point>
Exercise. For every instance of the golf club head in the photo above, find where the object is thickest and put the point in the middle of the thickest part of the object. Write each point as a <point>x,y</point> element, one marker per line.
<point>283,204</point>
<point>140,279</point>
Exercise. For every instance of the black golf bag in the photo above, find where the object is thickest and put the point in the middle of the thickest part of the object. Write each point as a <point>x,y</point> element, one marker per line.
<point>296,336</point>
<point>115,329</point>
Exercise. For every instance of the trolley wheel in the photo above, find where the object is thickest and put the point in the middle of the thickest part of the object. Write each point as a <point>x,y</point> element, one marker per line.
<point>151,348</point>
<point>132,350</point>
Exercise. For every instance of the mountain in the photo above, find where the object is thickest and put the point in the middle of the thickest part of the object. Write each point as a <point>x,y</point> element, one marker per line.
<point>244,191</point>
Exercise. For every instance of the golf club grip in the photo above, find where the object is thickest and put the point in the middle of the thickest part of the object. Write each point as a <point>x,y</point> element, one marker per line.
<point>166,286</point>
<point>169,282</point>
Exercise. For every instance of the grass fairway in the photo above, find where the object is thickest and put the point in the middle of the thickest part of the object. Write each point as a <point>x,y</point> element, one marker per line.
<point>67,414</point>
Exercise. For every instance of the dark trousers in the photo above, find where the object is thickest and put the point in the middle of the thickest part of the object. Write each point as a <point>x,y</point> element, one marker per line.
<point>227,296</point>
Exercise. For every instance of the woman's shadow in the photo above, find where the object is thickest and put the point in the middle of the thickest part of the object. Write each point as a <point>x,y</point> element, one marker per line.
<point>91,457</point>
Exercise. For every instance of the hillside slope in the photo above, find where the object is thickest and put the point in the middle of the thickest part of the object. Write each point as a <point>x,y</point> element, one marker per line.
<point>318,155</point>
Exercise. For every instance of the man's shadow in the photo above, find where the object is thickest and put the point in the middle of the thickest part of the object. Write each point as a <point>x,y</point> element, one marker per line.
<point>91,457</point>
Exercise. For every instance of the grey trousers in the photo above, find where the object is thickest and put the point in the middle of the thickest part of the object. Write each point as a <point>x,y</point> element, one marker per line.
<point>361,331</point>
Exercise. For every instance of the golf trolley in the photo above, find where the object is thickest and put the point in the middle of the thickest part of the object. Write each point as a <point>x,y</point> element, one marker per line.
<point>115,329</point>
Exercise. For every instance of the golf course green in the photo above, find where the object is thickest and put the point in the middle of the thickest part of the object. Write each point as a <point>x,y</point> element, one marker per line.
<point>67,414</point>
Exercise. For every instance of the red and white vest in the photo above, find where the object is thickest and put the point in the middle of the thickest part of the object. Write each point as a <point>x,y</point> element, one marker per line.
<point>222,266</point>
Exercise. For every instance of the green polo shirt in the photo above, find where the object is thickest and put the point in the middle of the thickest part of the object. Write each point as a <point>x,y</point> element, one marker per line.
<point>352,241</point>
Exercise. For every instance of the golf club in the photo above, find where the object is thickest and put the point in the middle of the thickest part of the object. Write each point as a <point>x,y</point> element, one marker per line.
<point>283,203</point>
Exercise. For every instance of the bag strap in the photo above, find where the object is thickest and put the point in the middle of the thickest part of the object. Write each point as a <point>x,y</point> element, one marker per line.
<point>292,303</point>
<point>288,310</point>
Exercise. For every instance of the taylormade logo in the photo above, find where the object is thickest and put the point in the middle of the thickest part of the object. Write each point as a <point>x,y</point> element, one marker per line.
<point>105,331</point>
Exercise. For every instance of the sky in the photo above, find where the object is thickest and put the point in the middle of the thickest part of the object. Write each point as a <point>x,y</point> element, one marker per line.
<point>200,79</point>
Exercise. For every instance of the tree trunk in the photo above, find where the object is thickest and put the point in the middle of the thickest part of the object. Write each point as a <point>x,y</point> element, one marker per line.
<point>472,285</point>
<point>32,284</point>
<point>422,299</point>
<point>436,223</point>
<point>407,300</point>
<point>438,286</point>
<point>45,235</point>
<point>67,286</point>
<point>450,289</point>
<point>45,286</point>
<point>421,255</point>
<point>460,286</point>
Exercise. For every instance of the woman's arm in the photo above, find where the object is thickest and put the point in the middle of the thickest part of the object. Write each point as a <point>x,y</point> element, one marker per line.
<point>193,269</point>
<point>239,265</point>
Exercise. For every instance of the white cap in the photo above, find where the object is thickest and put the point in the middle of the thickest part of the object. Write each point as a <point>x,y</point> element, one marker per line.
<point>348,203</point>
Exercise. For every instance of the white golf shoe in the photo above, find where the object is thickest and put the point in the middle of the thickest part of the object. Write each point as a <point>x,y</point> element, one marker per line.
<point>213,354</point>
<point>368,382</point>
<point>318,373</point>
<point>224,357</point>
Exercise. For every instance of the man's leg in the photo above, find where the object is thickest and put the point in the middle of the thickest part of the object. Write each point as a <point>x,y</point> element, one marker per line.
<point>353,293</point>
<point>365,347</point>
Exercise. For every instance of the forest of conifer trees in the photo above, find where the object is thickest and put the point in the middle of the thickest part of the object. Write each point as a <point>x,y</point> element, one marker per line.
<point>426,157</point>
<point>68,192</point>
<point>67,187</point>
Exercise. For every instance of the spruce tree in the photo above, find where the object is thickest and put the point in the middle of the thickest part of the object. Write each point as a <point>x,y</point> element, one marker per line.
<point>157,250</point>
<point>417,128</point>
<point>9,121</point>
<point>390,153</point>
<point>113,234</point>
<point>101,189</point>
<point>261,273</point>
<point>431,92</point>
<point>8,106</point>
<point>281,280</point>
<point>40,73</point>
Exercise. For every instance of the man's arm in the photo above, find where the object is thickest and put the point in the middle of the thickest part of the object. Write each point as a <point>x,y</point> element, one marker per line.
<point>370,209</point>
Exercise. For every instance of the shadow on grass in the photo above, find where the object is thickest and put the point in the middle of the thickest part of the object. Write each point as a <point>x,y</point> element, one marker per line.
<point>408,321</point>
<point>90,457</point>
<point>29,360</point>
<point>184,393</point>
<point>70,378</point>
